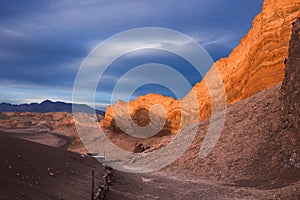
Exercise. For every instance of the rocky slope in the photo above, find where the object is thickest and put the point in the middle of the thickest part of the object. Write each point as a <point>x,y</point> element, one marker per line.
<point>256,64</point>
<point>260,142</point>
<point>256,157</point>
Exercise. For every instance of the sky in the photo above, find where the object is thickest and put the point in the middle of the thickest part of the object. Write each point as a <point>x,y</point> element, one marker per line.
<point>44,43</point>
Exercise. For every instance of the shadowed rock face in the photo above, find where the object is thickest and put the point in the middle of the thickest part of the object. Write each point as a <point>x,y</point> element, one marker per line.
<point>256,64</point>
<point>291,83</point>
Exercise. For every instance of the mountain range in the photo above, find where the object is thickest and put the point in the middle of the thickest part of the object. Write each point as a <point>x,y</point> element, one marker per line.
<point>48,106</point>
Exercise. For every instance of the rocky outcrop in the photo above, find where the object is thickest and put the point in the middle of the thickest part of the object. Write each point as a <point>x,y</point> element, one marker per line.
<point>140,111</point>
<point>256,64</point>
<point>291,83</point>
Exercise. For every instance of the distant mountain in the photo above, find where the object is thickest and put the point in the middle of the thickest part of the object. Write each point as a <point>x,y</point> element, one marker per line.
<point>48,106</point>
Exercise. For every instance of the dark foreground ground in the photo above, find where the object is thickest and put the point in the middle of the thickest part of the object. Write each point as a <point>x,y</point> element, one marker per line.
<point>33,171</point>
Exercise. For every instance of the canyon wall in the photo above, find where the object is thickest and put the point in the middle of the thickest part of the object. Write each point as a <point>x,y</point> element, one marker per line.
<point>256,64</point>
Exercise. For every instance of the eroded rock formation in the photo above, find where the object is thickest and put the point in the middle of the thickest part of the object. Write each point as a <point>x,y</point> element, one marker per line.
<point>256,64</point>
<point>257,148</point>
<point>140,109</point>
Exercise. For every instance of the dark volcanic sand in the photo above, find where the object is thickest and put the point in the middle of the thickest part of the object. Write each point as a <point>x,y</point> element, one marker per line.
<point>26,170</point>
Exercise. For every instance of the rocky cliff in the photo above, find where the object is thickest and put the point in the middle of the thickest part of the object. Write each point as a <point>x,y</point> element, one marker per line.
<point>291,83</point>
<point>256,64</point>
<point>260,143</point>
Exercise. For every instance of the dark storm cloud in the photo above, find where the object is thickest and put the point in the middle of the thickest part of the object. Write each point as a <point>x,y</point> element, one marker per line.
<point>39,60</point>
<point>44,42</point>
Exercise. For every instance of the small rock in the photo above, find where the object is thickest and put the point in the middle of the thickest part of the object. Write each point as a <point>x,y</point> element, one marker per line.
<point>139,148</point>
<point>51,174</point>
<point>285,125</point>
<point>19,156</point>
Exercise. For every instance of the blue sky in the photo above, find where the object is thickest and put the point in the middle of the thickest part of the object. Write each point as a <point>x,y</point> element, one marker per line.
<point>43,43</point>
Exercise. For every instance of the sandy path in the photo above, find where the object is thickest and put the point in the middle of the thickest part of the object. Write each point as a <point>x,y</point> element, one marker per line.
<point>160,186</point>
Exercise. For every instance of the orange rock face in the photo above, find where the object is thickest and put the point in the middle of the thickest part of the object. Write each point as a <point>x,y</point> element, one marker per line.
<point>256,64</point>
<point>140,111</point>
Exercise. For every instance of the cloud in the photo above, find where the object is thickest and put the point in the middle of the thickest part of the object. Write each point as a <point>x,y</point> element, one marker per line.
<point>44,42</point>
